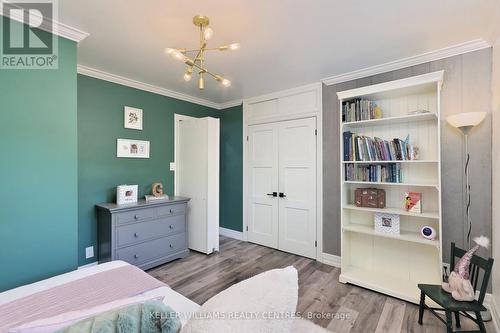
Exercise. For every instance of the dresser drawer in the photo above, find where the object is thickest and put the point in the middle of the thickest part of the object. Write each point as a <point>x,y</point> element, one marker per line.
<point>142,231</point>
<point>172,210</point>
<point>135,216</point>
<point>154,249</point>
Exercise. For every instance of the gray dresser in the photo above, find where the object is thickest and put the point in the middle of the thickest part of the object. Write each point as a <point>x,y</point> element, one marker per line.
<point>143,234</point>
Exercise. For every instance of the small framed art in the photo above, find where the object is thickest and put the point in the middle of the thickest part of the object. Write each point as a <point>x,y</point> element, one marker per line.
<point>387,223</point>
<point>126,194</point>
<point>133,118</point>
<point>132,148</point>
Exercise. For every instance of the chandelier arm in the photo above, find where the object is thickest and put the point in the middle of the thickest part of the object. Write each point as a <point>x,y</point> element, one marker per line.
<point>196,50</point>
<point>204,70</point>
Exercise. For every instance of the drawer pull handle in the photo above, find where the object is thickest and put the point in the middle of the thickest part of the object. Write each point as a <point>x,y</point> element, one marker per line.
<point>136,256</point>
<point>171,246</point>
<point>171,226</point>
<point>171,211</point>
<point>136,217</point>
<point>136,235</point>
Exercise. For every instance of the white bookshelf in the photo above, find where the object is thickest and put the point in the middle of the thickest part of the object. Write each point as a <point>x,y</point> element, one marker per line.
<point>389,263</point>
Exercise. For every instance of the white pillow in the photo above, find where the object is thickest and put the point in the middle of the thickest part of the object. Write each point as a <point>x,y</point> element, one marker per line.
<point>263,303</point>
<point>52,324</point>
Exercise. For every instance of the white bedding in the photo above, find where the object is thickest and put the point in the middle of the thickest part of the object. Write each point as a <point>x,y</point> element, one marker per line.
<point>182,305</point>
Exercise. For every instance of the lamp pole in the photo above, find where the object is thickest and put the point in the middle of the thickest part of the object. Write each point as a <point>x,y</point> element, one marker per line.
<point>468,223</point>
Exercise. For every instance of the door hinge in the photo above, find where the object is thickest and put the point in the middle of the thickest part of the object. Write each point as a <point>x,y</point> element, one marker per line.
<point>315,132</point>
<point>247,137</point>
<point>315,243</point>
<point>247,228</point>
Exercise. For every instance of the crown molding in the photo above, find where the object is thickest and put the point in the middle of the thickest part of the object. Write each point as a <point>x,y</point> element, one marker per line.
<point>473,45</point>
<point>71,33</point>
<point>230,104</point>
<point>98,74</point>
<point>59,29</point>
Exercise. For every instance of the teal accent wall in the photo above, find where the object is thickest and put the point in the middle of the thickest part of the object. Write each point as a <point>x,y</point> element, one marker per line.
<point>38,168</point>
<point>100,123</point>
<point>231,169</point>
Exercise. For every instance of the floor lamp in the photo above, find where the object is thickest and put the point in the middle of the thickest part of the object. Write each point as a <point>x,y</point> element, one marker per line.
<point>465,122</point>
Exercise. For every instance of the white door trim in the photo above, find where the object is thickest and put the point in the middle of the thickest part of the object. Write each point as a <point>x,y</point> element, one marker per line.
<point>318,113</point>
<point>177,119</point>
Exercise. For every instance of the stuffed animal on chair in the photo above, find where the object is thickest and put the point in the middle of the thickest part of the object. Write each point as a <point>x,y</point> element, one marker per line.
<point>458,284</point>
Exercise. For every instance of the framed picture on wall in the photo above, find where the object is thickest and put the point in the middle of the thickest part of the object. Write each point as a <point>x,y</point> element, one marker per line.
<point>132,148</point>
<point>133,118</point>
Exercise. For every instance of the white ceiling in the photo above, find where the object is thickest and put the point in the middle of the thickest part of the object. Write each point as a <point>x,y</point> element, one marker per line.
<point>284,43</point>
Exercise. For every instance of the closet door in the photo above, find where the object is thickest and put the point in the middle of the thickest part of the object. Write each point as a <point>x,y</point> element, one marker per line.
<point>297,187</point>
<point>262,161</point>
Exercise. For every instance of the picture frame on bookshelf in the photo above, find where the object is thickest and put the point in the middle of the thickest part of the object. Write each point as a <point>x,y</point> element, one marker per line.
<point>413,202</point>
<point>387,223</point>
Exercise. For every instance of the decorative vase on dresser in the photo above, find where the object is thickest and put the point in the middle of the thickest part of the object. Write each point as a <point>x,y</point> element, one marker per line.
<point>143,234</point>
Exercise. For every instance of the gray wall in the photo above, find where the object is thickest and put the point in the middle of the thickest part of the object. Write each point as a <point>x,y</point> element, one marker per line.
<point>466,88</point>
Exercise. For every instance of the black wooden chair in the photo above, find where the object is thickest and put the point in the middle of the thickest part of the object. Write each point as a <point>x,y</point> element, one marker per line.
<point>448,304</point>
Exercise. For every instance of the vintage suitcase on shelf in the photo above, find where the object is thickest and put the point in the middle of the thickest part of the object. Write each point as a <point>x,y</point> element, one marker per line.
<point>369,197</point>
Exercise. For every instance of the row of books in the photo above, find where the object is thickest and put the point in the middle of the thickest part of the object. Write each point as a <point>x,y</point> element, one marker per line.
<point>363,148</point>
<point>360,109</point>
<point>388,173</point>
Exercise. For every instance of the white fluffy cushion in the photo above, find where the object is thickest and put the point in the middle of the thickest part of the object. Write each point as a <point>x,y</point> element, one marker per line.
<point>263,303</point>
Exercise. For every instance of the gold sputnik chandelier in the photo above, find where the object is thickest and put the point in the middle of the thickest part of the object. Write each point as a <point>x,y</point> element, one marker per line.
<point>198,62</point>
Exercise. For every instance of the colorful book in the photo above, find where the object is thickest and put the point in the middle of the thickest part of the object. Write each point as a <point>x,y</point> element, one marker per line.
<point>413,202</point>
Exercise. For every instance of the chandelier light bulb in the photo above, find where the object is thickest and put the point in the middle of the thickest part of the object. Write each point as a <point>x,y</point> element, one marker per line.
<point>234,46</point>
<point>178,55</point>
<point>226,82</point>
<point>208,33</point>
<point>187,77</point>
<point>169,51</point>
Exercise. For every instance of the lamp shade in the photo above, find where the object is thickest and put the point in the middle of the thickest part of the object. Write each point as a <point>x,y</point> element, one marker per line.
<point>467,119</point>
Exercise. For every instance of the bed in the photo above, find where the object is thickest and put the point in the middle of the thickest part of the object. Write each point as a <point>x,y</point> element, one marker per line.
<point>91,288</point>
<point>11,299</point>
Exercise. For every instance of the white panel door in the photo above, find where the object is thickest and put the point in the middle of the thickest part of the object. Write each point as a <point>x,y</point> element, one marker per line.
<point>197,177</point>
<point>191,168</point>
<point>262,161</point>
<point>297,187</point>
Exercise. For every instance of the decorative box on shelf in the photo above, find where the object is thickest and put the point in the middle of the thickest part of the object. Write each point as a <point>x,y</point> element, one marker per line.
<point>369,197</point>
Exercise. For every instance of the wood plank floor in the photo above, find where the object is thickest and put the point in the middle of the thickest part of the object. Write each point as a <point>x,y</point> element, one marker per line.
<point>352,308</point>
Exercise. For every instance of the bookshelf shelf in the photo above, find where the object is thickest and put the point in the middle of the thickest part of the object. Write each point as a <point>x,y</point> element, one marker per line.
<point>390,161</point>
<point>391,120</point>
<point>399,211</point>
<point>391,184</point>
<point>390,263</point>
<point>403,236</point>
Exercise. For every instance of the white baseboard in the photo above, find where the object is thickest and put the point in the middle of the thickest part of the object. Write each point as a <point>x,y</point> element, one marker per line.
<point>231,233</point>
<point>88,265</point>
<point>330,259</point>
